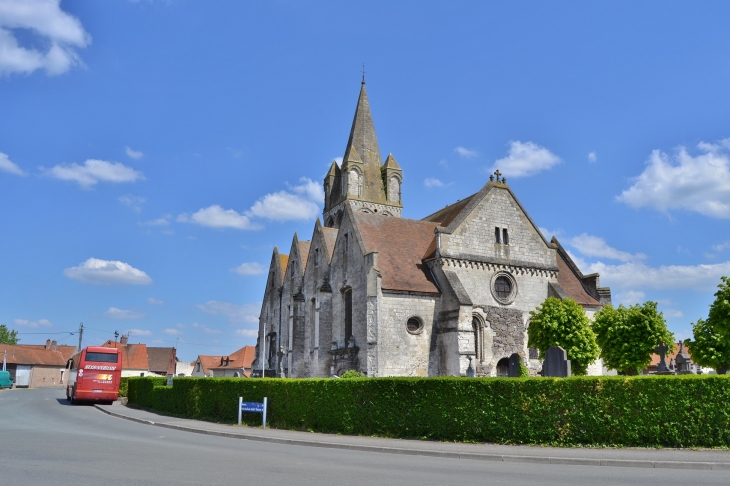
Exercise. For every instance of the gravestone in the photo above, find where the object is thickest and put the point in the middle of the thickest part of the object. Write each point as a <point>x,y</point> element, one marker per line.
<point>556,362</point>
<point>684,361</point>
<point>469,370</point>
<point>514,365</point>
<point>662,368</point>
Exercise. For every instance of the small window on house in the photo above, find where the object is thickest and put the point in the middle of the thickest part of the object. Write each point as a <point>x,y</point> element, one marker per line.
<point>316,257</point>
<point>414,325</point>
<point>505,236</point>
<point>496,235</point>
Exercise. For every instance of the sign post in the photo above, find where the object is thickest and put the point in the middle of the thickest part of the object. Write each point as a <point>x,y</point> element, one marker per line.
<point>255,407</point>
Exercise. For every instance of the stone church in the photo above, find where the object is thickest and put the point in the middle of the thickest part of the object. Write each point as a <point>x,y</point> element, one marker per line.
<point>389,296</point>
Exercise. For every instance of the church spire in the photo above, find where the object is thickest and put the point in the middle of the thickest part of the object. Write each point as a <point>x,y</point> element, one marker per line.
<point>362,133</point>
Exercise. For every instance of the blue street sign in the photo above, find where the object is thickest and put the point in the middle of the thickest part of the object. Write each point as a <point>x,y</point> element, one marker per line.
<point>252,407</point>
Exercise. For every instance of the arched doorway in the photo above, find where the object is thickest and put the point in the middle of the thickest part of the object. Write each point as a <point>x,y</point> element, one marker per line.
<point>503,367</point>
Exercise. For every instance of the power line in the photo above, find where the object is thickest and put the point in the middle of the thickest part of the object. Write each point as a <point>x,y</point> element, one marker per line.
<point>63,332</point>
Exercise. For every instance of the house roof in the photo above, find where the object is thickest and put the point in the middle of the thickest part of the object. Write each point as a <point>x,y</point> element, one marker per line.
<point>161,360</point>
<point>134,356</point>
<point>243,358</point>
<point>66,351</point>
<point>283,261</point>
<point>572,284</point>
<point>304,252</point>
<point>401,244</point>
<point>330,238</point>
<point>446,215</point>
<point>31,355</point>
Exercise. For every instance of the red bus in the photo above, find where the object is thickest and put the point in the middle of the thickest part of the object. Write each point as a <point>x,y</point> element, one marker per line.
<point>94,375</point>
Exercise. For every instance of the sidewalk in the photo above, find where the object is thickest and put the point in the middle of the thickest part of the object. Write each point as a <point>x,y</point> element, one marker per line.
<point>626,457</point>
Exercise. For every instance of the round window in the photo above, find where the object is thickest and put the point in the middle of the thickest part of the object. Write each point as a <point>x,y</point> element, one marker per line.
<point>414,325</point>
<point>504,288</point>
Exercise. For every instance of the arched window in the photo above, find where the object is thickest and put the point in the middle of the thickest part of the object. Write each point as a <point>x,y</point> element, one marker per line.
<point>348,315</point>
<point>394,189</point>
<point>503,367</point>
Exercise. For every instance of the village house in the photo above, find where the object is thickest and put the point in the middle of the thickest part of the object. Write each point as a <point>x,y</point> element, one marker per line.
<point>36,365</point>
<point>237,364</point>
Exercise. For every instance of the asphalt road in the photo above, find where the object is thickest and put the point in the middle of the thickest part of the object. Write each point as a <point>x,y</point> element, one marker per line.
<point>44,440</point>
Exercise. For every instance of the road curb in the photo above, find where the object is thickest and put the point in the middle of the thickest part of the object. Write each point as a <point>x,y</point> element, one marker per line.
<point>570,461</point>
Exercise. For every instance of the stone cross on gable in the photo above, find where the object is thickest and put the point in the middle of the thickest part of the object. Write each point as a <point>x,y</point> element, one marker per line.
<point>497,173</point>
<point>661,350</point>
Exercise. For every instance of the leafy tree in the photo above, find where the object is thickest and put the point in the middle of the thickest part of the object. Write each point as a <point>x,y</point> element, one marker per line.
<point>7,336</point>
<point>628,336</point>
<point>353,374</point>
<point>563,323</point>
<point>711,346</point>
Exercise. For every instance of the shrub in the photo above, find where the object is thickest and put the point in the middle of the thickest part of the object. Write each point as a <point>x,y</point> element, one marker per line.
<point>353,374</point>
<point>668,411</point>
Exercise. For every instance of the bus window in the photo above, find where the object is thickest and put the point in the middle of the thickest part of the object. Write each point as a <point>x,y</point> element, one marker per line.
<point>101,357</point>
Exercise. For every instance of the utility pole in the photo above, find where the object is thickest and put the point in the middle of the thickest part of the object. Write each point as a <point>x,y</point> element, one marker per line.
<point>81,335</point>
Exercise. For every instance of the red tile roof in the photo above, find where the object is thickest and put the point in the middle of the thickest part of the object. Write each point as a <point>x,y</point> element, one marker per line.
<point>66,351</point>
<point>31,355</point>
<point>243,358</point>
<point>401,244</point>
<point>134,356</point>
<point>161,360</point>
<point>572,284</point>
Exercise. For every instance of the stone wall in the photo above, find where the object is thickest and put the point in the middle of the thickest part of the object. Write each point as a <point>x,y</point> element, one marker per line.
<point>401,353</point>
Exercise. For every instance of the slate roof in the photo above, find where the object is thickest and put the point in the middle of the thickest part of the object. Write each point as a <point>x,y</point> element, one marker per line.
<point>401,244</point>
<point>31,355</point>
<point>161,360</point>
<point>330,238</point>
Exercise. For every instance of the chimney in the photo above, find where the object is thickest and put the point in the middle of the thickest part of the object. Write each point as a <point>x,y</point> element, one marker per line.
<point>53,345</point>
<point>123,340</point>
<point>48,344</point>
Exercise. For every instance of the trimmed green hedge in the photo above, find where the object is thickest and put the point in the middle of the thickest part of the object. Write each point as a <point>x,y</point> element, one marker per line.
<point>123,386</point>
<point>669,411</point>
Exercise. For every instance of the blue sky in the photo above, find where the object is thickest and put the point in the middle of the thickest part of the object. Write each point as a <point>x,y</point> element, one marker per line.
<point>152,153</point>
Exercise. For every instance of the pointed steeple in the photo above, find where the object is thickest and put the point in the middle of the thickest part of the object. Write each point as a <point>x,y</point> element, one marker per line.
<point>362,133</point>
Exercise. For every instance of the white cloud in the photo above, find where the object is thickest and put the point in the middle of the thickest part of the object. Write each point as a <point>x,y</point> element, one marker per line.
<point>700,184</point>
<point>592,157</point>
<point>465,153</point>
<point>432,182</point>
<point>235,312</point>
<point>139,332</point>
<point>133,154</point>
<point>246,332</point>
<point>236,153</point>
<point>7,165</point>
<point>217,217</point>
<point>302,204</point>
<point>92,172</point>
<point>721,246</point>
<point>95,271</point>
<point>630,297</point>
<point>704,277</point>
<point>59,31</point>
<point>133,202</point>
<point>673,313</point>
<point>249,268</point>
<point>548,234</point>
<point>172,332</point>
<point>204,328</point>
<point>525,159</point>
<point>33,324</point>
<point>580,263</point>
<point>593,246</point>
<point>153,301</point>
<point>115,313</point>
<point>164,220</point>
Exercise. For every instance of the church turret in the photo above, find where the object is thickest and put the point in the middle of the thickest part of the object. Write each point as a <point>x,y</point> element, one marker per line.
<point>364,181</point>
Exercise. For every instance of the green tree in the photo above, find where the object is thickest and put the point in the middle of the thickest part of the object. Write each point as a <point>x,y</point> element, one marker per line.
<point>711,345</point>
<point>628,336</point>
<point>7,336</point>
<point>563,323</point>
